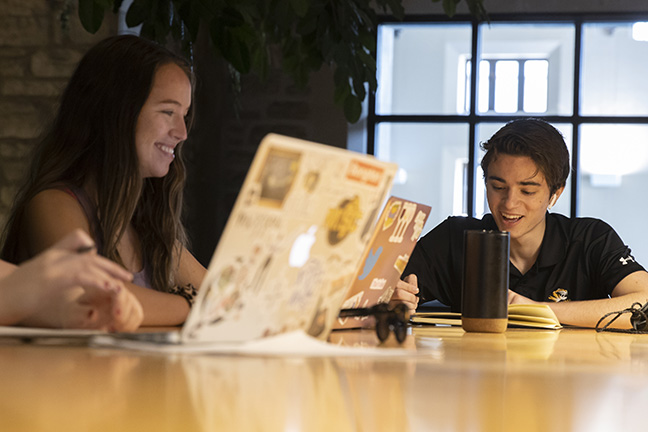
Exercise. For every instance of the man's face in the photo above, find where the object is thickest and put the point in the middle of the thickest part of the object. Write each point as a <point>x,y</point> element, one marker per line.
<point>518,196</point>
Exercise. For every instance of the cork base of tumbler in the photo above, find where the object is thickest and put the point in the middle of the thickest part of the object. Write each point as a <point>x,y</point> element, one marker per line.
<point>484,325</point>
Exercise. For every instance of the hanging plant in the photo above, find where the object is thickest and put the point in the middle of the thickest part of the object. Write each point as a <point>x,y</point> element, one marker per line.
<point>308,34</point>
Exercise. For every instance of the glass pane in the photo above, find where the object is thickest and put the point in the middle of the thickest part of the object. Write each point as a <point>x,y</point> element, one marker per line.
<point>614,71</point>
<point>506,86</point>
<point>422,68</point>
<point>613,174</point>
<point>551,42</point>
<point>535,85</point>
<point>483,86</point>
<point>484,132</point>
<point>432,159</point>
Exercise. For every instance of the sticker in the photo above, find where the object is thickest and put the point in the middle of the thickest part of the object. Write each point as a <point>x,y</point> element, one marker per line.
<point>311,179</point>
<point>392,214</point>
<point>404,219</point>
<point>370,262</point>
<point>343,220</point>
<point>364,172</point>
<point>277,176</point>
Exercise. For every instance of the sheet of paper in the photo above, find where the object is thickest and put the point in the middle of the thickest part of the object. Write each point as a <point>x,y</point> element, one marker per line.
<point>296,343</point>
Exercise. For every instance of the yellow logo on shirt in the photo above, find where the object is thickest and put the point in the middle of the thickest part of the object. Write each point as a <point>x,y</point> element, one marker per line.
<point>559,295</point>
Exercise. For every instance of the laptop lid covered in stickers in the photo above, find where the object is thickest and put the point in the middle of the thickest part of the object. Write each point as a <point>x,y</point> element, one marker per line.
<point>392,242</point>
<point>292,243</point>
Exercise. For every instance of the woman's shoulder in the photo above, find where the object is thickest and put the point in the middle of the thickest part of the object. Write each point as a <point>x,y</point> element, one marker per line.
<point>55,205</point>
<point>52,197</point>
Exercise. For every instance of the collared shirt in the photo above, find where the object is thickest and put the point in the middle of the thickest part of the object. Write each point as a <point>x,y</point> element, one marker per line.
<point>579,259</point>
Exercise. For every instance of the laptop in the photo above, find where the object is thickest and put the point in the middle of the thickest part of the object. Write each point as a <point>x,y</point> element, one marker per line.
<point>394,237</point>
<point>289,251</point>
<point>291,246</point>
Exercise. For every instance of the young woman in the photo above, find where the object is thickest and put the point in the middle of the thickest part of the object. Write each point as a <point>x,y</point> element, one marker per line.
<point>68,286</point>
<point>578,266</point>
<point>112,166</point>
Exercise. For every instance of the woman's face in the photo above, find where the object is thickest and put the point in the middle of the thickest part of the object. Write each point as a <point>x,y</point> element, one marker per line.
<point>161,122</point>
<point>518,196</point>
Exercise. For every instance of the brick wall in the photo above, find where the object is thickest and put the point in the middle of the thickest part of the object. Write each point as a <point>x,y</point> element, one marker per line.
<point>37,56</point>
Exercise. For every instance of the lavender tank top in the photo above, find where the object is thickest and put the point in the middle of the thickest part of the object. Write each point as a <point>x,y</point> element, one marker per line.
<point>142,277</point>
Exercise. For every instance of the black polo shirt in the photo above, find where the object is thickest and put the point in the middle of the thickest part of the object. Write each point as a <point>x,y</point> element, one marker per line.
<point>579,259</point>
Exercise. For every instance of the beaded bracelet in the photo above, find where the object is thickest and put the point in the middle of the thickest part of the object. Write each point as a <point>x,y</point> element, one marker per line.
<point>188,292</point>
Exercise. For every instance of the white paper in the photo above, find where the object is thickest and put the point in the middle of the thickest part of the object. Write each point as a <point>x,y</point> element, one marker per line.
<point>295,343</point>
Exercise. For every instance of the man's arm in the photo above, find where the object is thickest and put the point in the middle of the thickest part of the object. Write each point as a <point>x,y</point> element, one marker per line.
<point>586,313</point>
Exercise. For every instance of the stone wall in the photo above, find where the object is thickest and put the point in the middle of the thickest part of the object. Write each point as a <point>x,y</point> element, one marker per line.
<point>37,56</point>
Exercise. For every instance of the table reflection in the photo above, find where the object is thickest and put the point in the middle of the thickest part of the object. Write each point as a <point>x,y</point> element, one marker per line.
<point>572,379</point>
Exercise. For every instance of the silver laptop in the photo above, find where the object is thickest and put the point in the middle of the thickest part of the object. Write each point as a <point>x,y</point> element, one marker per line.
<point>291,246</point>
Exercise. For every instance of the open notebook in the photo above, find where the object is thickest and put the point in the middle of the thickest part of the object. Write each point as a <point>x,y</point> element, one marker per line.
<point>519,315</point>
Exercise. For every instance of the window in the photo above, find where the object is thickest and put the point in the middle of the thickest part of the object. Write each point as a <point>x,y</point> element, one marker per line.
<point>582,74</point>
<point>508,86</point>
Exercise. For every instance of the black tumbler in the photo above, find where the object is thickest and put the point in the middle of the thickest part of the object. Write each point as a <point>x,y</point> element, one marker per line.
<point>484,296</point>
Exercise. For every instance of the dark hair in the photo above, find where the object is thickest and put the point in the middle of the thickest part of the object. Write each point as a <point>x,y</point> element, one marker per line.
<point>536,139</point>
<point>93,138</point>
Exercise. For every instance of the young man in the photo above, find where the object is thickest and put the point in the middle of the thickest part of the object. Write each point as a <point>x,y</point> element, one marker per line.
<point>579,267</point>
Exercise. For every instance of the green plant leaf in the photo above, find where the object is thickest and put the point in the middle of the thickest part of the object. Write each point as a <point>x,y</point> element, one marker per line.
<point>231,17</point>
<point>116,5</point>
<point>261,62</point>
<point>231,45</point>
<point>190,16</point>
<point>340,94</point>
<point>450,7</point>
<point>300,7</point>
<point>138,12</point>
<point>91,15</point>
<point>310,33</point>
<point>397,9</point>
<point>352,108</point>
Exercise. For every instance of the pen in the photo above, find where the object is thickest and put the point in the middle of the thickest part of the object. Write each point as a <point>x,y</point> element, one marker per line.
<point>84,249</point>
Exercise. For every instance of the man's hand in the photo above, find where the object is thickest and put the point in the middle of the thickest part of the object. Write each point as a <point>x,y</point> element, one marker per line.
<point>406,292</point>
<point>515,298</point>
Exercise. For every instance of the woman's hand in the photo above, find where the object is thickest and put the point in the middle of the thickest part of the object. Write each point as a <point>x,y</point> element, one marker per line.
<point>70,286</point>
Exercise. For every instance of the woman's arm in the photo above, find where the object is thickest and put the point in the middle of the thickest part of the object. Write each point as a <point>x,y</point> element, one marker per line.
<point>170,309</point>
<point>190,271</point>
<point>53,213</point>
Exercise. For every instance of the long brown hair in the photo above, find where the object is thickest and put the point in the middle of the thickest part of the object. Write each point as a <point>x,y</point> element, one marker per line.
<point>92,139</point>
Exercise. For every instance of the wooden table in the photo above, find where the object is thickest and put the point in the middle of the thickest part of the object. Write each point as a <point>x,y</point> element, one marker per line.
<point>523,380</point>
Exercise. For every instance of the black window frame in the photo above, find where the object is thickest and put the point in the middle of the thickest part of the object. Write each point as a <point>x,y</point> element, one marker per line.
<point>473,118</point>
